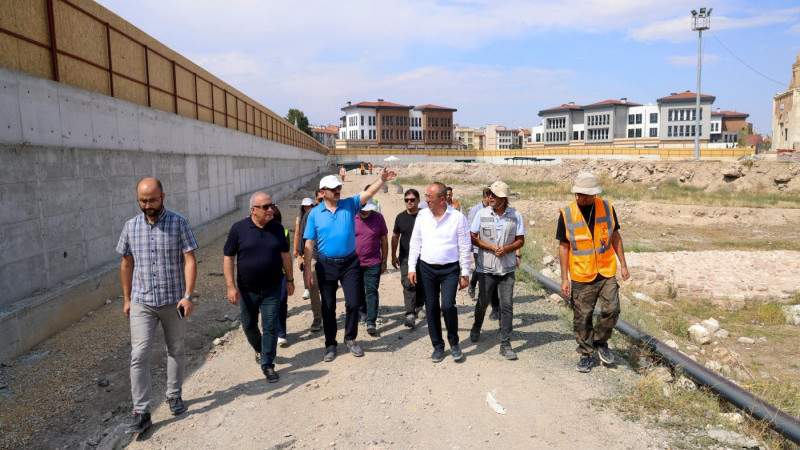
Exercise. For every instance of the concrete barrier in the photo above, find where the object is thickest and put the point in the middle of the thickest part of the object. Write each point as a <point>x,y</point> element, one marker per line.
<point>69,163</point>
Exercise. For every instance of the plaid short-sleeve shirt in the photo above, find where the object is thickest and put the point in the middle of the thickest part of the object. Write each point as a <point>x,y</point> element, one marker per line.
<point>157,249</point>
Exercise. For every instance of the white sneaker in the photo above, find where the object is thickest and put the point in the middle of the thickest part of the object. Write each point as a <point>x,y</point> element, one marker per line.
<point>306,294</point>
<point>282,342</point>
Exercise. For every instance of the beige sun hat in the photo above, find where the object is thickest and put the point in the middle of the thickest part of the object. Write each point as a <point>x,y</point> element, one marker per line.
<point>586,183</point>
<point>500,189</point>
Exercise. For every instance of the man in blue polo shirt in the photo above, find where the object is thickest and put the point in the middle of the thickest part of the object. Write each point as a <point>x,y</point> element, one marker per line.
<point>331,226</point>
<point>259,246</point>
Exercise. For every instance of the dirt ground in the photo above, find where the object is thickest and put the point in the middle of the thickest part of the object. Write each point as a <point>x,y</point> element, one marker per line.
<point>73,391</point>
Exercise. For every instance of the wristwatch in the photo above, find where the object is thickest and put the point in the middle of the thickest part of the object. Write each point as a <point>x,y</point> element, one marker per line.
<point>187,297</point>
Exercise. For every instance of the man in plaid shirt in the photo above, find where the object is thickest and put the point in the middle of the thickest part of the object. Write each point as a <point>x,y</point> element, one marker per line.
<point>158,275</point>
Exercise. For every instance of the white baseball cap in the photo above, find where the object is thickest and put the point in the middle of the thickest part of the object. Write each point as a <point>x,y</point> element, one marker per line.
<point>370,206</point>
<point>586,183</point>
<point>500,189</point>
<point>329,182</point>
<point>307,202</point>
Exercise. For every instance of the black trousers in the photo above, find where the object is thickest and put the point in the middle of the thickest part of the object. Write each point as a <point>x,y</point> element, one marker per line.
<point>440,279</point>
<point>329,274</point>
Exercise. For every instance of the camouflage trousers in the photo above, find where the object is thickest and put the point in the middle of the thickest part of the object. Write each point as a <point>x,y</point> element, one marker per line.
<point>584,298</point>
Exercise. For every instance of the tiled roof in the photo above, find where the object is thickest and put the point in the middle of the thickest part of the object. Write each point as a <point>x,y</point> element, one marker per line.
<point>443,108</point>
<point>730,114</point>
<point>376,105</point>
<point>327,130</point>
<point>566,107</point>
<point>480,133</point>
<point>686,96</point>
<point>610,103</point>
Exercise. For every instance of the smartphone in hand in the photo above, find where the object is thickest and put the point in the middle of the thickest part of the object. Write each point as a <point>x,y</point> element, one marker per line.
<point>180,312</point>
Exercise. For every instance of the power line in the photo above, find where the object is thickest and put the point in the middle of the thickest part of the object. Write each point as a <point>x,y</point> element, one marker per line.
<point>747,65</point>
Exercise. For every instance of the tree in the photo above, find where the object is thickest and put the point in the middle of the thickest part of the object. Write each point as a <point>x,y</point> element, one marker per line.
<point>297,118</point>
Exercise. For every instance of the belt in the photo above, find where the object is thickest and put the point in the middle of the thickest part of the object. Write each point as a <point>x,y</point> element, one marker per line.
<point>326,259</point>
<point>441,266</point>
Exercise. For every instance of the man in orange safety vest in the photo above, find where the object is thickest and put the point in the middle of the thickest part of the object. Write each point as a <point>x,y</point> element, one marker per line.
<point>589,246</point>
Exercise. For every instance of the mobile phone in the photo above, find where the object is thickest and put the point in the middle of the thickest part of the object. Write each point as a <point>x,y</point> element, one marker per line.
<point>180,312</point>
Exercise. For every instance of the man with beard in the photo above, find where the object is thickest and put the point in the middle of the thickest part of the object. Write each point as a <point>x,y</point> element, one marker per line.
<point>498,232</point>
<point>413,296</point>
<point>158,272</point>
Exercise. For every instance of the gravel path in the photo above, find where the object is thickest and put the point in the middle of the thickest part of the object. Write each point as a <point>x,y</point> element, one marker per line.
<point>394,397</point>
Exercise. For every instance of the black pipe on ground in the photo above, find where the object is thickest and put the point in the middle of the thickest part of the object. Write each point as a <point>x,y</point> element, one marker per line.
<point>786,425</point>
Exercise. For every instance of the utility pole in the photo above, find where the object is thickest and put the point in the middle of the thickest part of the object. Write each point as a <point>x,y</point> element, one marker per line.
<point>700,21</point>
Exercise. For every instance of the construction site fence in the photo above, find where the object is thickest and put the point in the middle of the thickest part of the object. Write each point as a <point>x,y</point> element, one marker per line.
<point>80,43</point>
<point>664,152</point>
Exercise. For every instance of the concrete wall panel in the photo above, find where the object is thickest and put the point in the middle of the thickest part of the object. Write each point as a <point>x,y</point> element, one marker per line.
<point>76,119</point>
<point>65,262</point>
<point>24,275</point>
<point>104,122</point>
<point>21,240</point>
<point>127,129</point>
<point>39,114</point>
<point>18,202</point>
<point>10,120</point>
<point>63,230</point>
<point>59,196</point>
<point>17,165</point>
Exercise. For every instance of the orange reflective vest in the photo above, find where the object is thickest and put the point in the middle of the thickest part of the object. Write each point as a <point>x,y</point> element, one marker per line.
<point>589,255</point>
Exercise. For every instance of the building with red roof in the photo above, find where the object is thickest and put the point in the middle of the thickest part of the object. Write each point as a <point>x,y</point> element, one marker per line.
<point>385,124</point>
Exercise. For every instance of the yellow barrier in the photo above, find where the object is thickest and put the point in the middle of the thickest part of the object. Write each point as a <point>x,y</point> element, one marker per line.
<point>80,43</point>
<point>664,152</point>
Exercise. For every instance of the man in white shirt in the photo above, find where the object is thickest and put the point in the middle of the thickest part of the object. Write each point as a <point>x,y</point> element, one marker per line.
<point>441,243</point>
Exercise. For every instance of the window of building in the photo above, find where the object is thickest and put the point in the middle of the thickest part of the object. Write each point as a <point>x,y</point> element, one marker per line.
<point>630,133</point>
<point>653,117</point>
<point>362,131</point>
<point>638,132</point>
<point>653,132</point>
<point>630,119</point>
<point>638,118</point>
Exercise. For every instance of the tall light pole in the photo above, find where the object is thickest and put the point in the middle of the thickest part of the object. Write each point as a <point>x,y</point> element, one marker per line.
<point>700,21</point>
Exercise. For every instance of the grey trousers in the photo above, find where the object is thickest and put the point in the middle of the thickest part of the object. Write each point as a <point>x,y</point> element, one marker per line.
<point>503,286</point>
<point>144,320</point>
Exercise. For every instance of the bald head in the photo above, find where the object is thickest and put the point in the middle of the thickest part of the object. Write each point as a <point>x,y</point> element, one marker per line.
<point>150,194</point>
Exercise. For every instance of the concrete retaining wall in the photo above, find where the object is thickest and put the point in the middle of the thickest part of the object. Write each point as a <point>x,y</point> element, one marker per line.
<point>69,163</point>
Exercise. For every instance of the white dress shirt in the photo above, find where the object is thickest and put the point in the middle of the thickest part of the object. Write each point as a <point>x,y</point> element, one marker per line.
<point>443,242</point>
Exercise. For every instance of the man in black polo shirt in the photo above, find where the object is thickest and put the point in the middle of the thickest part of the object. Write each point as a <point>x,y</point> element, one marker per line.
<point>413,296</point>
<point>261,250</point>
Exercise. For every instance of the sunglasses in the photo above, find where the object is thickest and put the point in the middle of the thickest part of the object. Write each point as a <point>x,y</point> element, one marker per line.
<point>491,194</point>
<point>266,207</point>
<point>336,189</point>
<point>410,200</point>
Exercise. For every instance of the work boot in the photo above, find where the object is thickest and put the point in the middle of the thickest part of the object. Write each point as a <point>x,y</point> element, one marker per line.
<point>605,353</point>
<point>316,324</point>
<point>585,364</point>
<point>410,320</point>
<point>272,376</point>
<point>507,352</point>
<point>141,422</point>
<point>176,405</point>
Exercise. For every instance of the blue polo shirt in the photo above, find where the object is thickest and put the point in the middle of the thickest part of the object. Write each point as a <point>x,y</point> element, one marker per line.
<point>335,232</point>
<point>258,253</point>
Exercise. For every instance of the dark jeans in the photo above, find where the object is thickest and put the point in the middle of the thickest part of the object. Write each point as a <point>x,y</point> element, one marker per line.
<point>413,296</point>
<point>584,299</point>
<point>266,302</point>
<point>283,309</point>
<point>329,274</point>
<point>440,279</point>
<point>371,280</point>
<point>492,286</point>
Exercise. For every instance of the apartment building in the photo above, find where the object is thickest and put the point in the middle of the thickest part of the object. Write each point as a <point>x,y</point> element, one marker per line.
<point>385,124</point>
<point>325,135</point>
<point>726,125</point>
<point>466,137</point>
<point>671,121</point>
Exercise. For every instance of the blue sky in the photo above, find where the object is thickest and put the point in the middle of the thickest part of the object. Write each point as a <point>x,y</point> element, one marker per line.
<point>496,62</point>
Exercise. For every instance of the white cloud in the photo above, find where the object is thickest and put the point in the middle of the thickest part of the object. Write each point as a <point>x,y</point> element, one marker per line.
<point>677,60</point>
<point>678,29</point>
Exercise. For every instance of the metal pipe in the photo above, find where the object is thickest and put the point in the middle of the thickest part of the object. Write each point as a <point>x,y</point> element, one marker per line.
<point>783,423</point>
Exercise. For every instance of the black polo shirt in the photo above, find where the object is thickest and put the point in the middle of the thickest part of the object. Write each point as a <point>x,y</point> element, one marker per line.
<point>258,253</point>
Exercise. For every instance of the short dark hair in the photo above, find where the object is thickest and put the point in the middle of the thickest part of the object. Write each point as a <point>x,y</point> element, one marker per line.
<point>412,191</point>
<point>448,188</point>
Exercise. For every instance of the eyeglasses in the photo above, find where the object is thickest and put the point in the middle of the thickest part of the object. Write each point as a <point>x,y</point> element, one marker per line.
<point>149,201</point>
<point>266,207</point>
<point>410,200</point>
